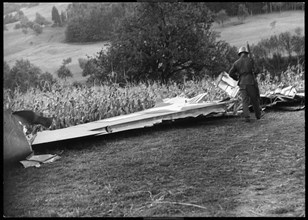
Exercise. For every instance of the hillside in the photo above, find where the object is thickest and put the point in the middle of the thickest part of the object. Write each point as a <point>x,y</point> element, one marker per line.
<point>48,49</point>
<point>213,167</point>
<point>258,27</point>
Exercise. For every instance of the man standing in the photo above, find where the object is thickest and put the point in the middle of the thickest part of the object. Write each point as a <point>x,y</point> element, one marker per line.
<point>242,70</point>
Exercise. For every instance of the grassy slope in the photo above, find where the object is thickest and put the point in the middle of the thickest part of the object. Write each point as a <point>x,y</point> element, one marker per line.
<point>257,27</point>
<point>48,49</point>
<point>225,166</point>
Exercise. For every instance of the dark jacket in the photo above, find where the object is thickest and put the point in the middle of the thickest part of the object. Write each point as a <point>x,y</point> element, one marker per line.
<point>242,70</point>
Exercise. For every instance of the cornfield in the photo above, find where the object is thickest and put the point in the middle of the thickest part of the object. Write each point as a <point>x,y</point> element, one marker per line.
<point>72,106</point>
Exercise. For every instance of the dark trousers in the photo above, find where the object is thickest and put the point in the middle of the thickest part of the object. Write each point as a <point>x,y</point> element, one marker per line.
<point>250,93</point>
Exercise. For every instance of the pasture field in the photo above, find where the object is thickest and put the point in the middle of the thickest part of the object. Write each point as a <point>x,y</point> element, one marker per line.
<point>209,167</point>
<point>258,27</point>
<point>48,50</point>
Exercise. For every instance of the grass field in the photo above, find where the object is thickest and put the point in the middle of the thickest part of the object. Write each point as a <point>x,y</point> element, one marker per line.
<point>48,49</point>
<point>203,167</point>
<point>258,27</point>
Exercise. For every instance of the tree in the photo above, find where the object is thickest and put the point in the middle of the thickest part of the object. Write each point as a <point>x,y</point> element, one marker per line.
<point>10,19</point>
<point>265,8</point>
<point>55,17</point>
<point>23,75</point>
<point>298,45</point>
<point>163,41</point>
<point>64,72</point>
<point>82,62</point>
<point>20,14</point>
<point>46,81</point>
<point>39,19</point>
<point>94,71</point>
<point>274,45</point>
<point>285,41</point>
<point>222,16</point>
<point>90,22</point>
<point>67,61</point>
<point>24,21</point>
<point>278,5</point>
<point>242,12</point>
<point>298,31</point>
<point>63,17</point>
<point>25,30</point>
<point>6,74</point>
<point>37,28</point>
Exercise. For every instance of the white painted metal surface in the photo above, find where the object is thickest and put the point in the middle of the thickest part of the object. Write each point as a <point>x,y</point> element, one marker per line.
<point>173,109</point>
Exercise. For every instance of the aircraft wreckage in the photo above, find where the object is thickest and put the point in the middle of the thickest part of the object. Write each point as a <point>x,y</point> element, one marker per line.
<point>17,147</point>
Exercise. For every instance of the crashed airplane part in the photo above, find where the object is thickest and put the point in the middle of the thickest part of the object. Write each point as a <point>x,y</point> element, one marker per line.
<point>173,109</point>
<point>15,144</point>
<point>283,98</point>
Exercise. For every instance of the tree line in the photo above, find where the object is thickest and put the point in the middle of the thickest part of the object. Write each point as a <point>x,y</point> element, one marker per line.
<point>254,8</point>
<point>90,22</point>
<point>25,75</point>
<point>278,52</point>
<point>13,7</point>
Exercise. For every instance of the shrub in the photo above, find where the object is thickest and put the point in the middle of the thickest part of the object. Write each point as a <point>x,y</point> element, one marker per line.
<point>37,28</point>
<point>41,20</point>
<point>298,31</point>
<point>82,62</point>
<point>63,72</point>
<point>46,81</point>
<point>17,26</point>
<point>24,21</point>
<point>22,75</point>
<point>77,84</point>
<point>9,19</point>
<point>67,61</point>
<point>25,30</point>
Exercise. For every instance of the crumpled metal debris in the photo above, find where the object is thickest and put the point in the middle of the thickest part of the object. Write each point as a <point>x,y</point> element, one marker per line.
<point>37,160</point>
<point>286,98</point>
<point>17,145</point>
<point>226,83</point>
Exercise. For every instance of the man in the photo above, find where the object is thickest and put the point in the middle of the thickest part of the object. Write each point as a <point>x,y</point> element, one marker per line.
<point>242,70</point>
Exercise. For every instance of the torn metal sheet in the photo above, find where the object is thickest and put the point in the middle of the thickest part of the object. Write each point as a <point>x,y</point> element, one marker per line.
<point>227,84</point>
<point>283,97</point>
<point>16,146</point>
<point>171,109</point>
<point>37,160</point>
